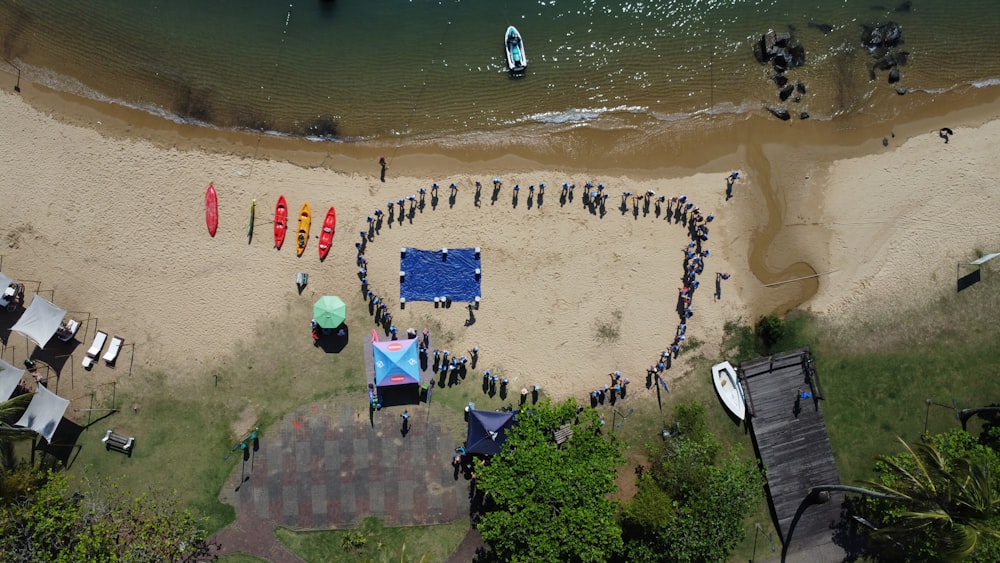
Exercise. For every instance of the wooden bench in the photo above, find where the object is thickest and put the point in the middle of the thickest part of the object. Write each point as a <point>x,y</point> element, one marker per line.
<point>118,443</point>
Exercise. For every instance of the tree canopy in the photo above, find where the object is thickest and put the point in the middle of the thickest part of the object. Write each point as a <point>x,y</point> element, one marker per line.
<point>550,501</point>
<point>98,523</point>
<point>691,504</point>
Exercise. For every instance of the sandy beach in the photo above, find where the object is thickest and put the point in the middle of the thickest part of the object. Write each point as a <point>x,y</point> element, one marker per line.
<point>114,226</point>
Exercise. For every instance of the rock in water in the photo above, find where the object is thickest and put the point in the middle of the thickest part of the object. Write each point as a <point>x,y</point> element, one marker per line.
<point>894,76</point>
<point>780,80</point>
<point>804,115</point>
<point>800,87</point>
<point>901,91</point>
<point>882,36</point>
<point>786,92</point>
<point>779,49</point>
<point>780,113</point>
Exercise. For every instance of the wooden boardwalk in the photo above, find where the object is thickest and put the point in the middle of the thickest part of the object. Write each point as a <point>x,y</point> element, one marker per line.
<point>791,440</point>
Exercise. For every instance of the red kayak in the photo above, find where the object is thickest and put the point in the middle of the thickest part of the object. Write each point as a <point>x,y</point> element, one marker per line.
<point>211,209</point>
<point>326,236</point>
<point>280,222</point>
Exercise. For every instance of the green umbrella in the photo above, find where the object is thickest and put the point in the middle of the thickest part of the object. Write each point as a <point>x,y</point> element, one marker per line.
<point>329,311</point>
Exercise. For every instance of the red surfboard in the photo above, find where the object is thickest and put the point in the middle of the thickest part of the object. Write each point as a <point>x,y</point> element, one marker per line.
<point>326,235</point>
<point>211,209</point>
<point>280,222</point>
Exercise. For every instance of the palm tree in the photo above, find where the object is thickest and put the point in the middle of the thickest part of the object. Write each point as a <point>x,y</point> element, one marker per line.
<point>956,502</point>
<point>10,411</point>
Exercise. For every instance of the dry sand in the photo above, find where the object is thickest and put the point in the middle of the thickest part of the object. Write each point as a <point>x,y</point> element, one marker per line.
<point>116,227</point>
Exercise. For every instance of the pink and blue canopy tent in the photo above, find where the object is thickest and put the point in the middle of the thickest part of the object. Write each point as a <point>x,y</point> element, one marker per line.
<point>396,362</point>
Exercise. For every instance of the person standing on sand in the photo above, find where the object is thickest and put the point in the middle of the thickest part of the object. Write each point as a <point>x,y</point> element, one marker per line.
<point>384,166</point>
<point>730,182</point>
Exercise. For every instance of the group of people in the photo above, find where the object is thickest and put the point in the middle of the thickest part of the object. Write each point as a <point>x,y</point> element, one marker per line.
<point>677,208</point>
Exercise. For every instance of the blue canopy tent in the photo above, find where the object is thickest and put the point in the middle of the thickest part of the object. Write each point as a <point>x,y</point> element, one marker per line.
<point>488,431</point>
<point>396,362</point>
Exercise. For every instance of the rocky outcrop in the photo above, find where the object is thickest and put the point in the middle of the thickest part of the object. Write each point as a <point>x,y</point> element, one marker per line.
<point>882,41</point>
<point>781,50</point>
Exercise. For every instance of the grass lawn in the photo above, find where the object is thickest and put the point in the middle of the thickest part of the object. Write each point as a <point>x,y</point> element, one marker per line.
<point>184,426</point>
<point>371,539</point>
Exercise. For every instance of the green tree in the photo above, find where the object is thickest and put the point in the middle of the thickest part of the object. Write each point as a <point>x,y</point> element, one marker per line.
<point>101,524</point>
<point>690,505</point>
<point>946,505</point>
<point>551,500</point>
<point>770,330</point>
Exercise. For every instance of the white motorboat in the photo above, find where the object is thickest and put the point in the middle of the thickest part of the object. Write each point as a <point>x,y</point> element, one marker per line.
<point>516,59</point>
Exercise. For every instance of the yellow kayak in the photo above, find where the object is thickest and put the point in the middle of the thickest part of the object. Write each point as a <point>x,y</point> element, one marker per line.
<point>302,237</point>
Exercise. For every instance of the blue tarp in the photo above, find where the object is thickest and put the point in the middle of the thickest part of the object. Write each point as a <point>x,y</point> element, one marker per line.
<point>396,362</point>
<point>488,431</point>
<point>429,274</point>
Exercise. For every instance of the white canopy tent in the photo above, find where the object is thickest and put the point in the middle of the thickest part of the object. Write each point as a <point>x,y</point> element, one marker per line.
<point>40,321</point>
<point>44,413</point>
<point>10,376</point>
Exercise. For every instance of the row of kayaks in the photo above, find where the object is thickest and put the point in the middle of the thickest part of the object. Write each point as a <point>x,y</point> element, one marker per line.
<point>302,230</point>
<point>280,223</point>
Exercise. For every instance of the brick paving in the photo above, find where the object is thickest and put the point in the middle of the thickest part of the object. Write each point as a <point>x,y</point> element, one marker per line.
<point>325,466</point>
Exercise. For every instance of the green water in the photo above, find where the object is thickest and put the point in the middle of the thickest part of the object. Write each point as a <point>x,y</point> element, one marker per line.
<point>410,70</point>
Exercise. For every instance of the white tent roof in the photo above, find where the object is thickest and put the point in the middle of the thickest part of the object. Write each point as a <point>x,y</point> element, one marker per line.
<point>40,321</point>
<point>10,376</point>
<point>44,413</point>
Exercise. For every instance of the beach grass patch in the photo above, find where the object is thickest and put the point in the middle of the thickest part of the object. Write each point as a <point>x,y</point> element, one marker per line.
<point>608,329</point>
<point>373,541</point>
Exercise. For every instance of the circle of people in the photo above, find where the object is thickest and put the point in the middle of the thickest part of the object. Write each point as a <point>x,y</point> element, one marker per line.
<point>678,209</point>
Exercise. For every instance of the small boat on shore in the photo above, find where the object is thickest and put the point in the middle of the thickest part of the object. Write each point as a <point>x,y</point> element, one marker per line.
<point>280,222</point>
<point>211,210</point>
<point>302,236</point>
<point>326,236</point>
<point>728,386</point>
<point>516,59</point>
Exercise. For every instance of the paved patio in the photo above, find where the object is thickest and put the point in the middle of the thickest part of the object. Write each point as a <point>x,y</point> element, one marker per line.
<point>326,466</point>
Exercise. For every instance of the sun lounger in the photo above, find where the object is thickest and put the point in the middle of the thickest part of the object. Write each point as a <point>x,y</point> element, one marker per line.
<point>113,350</point>
<point>68,330</point>
<point>95,349</point>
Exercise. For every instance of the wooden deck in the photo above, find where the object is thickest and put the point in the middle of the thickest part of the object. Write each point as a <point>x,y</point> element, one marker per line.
<point>791,440</point>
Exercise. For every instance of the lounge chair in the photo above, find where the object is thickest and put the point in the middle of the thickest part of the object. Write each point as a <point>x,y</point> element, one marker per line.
<point>68,330</point>
<point>113,350</point>
<point>95,349</point>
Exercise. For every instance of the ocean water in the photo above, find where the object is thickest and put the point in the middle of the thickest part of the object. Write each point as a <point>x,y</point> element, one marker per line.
<point>402,71</point>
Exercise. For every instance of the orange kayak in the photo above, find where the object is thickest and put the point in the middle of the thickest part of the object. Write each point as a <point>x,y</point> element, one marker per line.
<point>302,236</point>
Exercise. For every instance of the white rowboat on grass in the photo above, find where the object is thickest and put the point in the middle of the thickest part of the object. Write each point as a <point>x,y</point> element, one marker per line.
<point>728,386</point>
